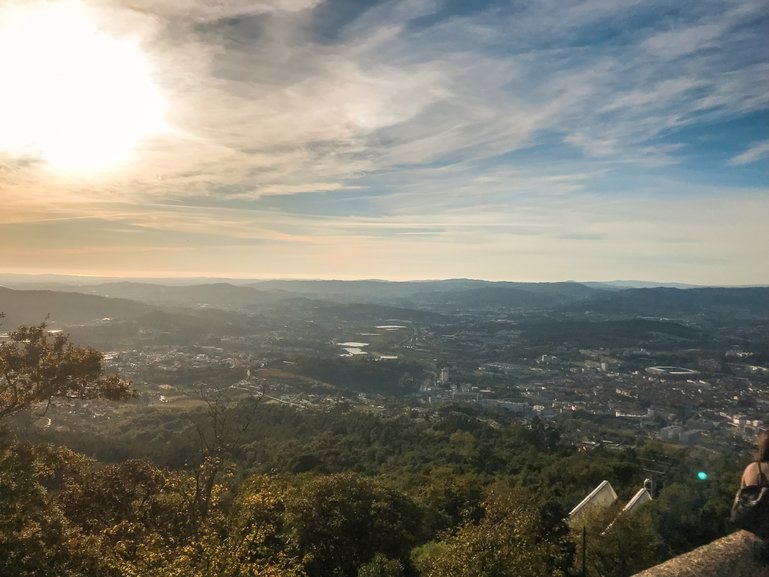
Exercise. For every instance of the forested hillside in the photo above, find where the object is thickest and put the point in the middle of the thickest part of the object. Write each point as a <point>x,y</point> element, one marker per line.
<point>258,489</point>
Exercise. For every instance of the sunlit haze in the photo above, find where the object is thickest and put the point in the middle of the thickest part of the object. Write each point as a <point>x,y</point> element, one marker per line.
<point>77,97</point>
<point>404,139</point>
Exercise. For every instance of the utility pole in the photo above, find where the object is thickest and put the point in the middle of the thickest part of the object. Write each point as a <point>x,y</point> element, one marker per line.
<point>584,551</point>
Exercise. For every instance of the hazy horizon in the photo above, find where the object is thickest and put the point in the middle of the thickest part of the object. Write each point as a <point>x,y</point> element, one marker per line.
<point>401,139</point>
<point>191,280</point>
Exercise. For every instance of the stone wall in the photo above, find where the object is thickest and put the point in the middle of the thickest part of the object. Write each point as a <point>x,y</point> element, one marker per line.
<point>730,556</point>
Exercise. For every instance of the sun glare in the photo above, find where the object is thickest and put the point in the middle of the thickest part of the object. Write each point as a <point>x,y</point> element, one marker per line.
<point>75,96</point>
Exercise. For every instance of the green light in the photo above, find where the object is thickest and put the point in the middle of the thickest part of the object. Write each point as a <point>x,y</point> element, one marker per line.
<point>702,476</point>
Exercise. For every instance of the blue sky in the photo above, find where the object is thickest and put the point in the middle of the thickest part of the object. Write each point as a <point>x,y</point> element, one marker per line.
<point>550,140</point>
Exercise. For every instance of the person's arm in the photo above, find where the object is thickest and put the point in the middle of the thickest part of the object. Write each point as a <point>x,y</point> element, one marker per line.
<point>748,476</point>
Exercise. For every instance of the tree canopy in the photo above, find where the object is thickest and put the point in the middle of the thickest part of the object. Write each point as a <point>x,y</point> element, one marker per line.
<point>37,366</point>
<point>517,536</point>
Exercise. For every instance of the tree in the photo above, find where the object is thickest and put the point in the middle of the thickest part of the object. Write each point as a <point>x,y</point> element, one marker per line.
<point>448,498</point>
<point>252,540</point>
<point>219,434</point>
<point>381,566</point>
<point>342,521</point>
<point>517,537</point>
<point>36,538</point>
<point>37,366</point>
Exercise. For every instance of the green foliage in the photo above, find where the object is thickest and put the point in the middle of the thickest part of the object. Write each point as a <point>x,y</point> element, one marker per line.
<point>36,538</point>
<point>570,476</point>
<point>36,367</point>
<point>341,521</point>
<point>448,498</point>
<point>513,539</point>
<point>256,532</point>
<point>423,555</point>
<point>619,545</point>
<point>63,514</point>
<point>364,375</point>
<point>381,566</point>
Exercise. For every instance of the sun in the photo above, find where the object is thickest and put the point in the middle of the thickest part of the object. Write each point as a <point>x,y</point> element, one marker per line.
<point>70,94</point>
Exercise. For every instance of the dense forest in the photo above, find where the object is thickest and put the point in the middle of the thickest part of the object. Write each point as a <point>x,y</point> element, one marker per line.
<point>243,487</point>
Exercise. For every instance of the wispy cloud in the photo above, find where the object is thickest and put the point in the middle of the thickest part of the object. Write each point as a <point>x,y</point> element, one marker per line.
<point>201,11</point>
<point>519,119</point>
<point>756,151</point>
<point>258,101</point>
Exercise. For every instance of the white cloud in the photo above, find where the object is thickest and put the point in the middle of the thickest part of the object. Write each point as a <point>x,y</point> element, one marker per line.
<point>431,121</point>
<point>755,152</point>
<point>270,109</point>
<point>676,43</point>
<point>200,11</point>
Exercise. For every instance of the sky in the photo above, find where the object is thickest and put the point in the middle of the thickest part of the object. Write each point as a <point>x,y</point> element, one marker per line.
<point>406,139</point>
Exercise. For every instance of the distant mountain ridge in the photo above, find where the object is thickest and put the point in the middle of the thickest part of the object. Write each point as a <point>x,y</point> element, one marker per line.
<point>364,289</point>
<point>215,295</point>
<point>66,282</point>
<point>623,284</point>
<point>376,298</point>
<point>671,302</point>
<point>510,295</point>
<point>34,306</point>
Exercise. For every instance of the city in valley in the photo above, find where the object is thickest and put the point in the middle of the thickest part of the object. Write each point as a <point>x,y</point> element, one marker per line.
<point>683,365</point>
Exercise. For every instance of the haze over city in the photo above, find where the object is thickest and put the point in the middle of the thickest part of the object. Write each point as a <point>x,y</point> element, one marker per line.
<point>590,140</point>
